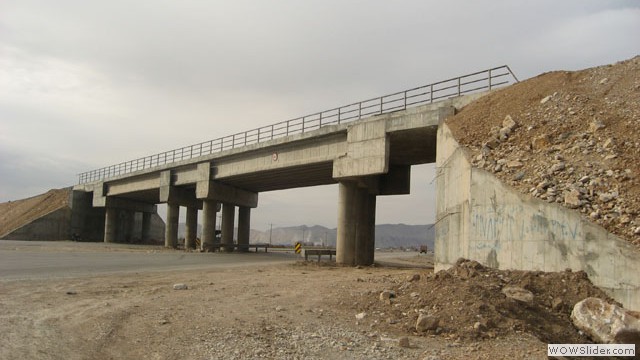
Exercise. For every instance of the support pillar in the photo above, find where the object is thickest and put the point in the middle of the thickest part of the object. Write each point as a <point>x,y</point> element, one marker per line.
<point>191,229</point>
<point>365,229</point>
<point>228,218</point>
<point>146,227</point>
<point>209,208</point>
<point>129,225</point>
<point>244,227</point>
<point>347,222</point>
<point>110,224</point>
<point>171,230</point>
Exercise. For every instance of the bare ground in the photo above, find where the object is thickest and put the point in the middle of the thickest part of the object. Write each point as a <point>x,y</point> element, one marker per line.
<point>294,311</point>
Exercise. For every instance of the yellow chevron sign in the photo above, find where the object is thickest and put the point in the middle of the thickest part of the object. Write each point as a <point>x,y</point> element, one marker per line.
<point>298,247</point>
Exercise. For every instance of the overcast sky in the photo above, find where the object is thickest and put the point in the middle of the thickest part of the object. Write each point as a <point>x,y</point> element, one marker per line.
<point>86,84</point>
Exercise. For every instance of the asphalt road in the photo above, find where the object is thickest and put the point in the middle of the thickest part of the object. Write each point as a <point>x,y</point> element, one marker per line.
<point>41,260</point>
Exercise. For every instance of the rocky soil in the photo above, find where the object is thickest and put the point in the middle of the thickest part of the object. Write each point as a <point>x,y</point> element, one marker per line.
<point>565,137</point>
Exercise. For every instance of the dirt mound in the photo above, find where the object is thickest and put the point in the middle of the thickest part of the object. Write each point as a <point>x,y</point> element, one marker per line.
<point>14,214</point>
<point>565,137</point>
<point>469,302</point>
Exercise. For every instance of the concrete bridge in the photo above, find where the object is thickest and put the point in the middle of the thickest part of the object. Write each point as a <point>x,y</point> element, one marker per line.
<point>367,148</point>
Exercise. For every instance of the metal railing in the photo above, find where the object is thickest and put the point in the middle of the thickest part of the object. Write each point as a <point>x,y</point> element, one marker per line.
<point>482,80</point>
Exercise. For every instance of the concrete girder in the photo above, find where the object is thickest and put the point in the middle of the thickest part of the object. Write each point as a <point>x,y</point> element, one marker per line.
<point>226,194</point>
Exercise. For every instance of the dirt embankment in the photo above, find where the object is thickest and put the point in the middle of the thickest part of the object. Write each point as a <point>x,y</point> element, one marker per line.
<point>14,214</point>
<point>565,137</point>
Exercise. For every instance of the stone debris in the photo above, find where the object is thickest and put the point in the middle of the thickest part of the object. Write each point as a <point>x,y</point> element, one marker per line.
<point>606,323</point>
<point>180,287</point>
<point>518,293</point>
<point>426,323</point>
<point>576,146</point>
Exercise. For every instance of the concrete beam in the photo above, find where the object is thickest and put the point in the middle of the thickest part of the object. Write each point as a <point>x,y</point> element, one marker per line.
<point>226,194</point>
<point>176,195</point>
<point>367,151</point>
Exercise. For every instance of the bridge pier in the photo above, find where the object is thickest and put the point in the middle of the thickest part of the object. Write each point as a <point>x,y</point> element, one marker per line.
<point>191,229</point>
<point>356,225</point>
<point>244,227</point>
<point>171,229</point>
<point>365,229</point>
<point>110,224</point>
<point>209,209</point>
<point>228,219</point>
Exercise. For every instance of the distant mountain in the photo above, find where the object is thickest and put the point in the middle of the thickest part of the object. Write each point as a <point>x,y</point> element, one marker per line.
<point>387,235</point>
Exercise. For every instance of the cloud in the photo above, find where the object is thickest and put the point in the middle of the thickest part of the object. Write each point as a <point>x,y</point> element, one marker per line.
<point>88,84</point>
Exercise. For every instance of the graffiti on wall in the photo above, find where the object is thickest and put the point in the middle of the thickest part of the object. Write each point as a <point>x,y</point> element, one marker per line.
<point>504,223</point>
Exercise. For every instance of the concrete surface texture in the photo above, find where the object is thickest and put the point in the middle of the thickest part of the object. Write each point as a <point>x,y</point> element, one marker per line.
<point>480,218</point>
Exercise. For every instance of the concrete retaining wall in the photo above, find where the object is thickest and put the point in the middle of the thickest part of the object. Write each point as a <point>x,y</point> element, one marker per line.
<point>53,226</point>
<point>480,218</point>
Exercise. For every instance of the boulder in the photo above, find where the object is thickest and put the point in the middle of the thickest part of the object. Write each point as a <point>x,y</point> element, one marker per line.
<point>518,293</point>
<point>606,323</point>
<point>427,322</point>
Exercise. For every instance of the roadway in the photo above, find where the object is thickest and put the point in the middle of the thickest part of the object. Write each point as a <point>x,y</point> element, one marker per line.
<point>24,260</point>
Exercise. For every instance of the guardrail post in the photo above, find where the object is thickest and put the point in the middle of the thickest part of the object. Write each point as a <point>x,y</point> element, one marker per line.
<point>489,79</point>
<point>405,101</point>
<point>458,86</point>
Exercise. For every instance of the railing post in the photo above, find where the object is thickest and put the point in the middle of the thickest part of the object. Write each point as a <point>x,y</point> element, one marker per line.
<point>431,93</point>
<point>303,123</point>
<point>245,137</point>
<point>339,112</point>
<point>458,86</point>
<point>271,132</point>
<point>381,104</point>
<point>405,100</point>
<point>288,127</point>
<point>489,79</point>
<point>360,110</point>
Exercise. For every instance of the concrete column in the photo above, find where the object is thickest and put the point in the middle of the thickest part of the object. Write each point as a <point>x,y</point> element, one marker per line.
<point>228,218</point>
<point>209,208</point>
<point>110,224</point>
<point>171,230</point>
<point>191,230</point>
<point>244,227</point>
<point>129,225</point>
<point>146,227</point>
<point>347,221</point>
<point>365,229</point>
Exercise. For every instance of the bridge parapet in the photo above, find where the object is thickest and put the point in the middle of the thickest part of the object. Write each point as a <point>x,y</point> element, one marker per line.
<point>441,90</point>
